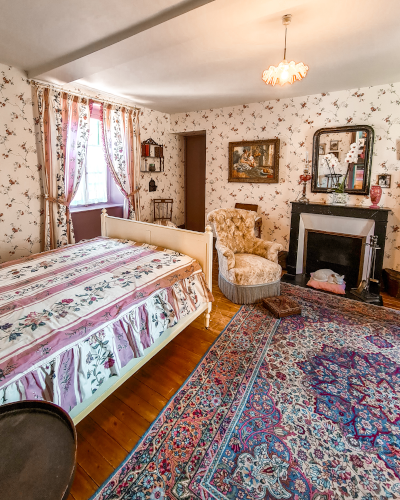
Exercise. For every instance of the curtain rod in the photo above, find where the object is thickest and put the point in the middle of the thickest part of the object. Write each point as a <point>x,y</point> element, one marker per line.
<point>38,83</point>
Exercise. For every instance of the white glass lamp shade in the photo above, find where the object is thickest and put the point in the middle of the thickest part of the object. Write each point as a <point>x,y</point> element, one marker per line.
<point>285,72</point>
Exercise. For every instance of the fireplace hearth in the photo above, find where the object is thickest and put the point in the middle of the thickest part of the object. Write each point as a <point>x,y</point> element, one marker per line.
<point>334,237</point>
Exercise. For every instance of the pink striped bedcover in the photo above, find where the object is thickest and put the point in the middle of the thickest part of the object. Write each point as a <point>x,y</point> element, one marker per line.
<point>72,317</point>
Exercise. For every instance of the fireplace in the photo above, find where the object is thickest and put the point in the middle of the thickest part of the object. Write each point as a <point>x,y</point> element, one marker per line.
<point>343,253</point>
<point>334,237</point>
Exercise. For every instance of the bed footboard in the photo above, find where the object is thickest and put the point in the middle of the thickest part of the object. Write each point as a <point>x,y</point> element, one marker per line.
<point>192,243</point>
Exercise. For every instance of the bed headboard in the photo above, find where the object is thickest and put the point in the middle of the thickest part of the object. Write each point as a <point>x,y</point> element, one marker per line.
<point>196,245</point>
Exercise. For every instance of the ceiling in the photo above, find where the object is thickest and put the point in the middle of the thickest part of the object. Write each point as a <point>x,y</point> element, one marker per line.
<point>185,55</point>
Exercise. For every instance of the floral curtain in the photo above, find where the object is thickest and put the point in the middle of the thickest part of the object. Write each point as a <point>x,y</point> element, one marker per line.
<point>63,121</point>
<point>121,142</point>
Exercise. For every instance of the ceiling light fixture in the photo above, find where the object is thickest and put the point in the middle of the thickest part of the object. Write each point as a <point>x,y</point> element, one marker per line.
<point>285,72</point>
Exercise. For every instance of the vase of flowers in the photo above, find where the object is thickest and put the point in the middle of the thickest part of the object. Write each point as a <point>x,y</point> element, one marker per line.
<point>337,198</point>
<point>338,195</point>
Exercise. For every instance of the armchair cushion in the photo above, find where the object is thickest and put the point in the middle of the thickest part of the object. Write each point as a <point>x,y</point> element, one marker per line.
<point>252,269</point>
<point>267,249</point>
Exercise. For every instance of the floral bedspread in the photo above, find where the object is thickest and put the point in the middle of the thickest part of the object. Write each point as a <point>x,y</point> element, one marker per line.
<point>72,317</point>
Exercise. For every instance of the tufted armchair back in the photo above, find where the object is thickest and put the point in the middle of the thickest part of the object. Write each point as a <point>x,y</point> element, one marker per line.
<point>234,228</point>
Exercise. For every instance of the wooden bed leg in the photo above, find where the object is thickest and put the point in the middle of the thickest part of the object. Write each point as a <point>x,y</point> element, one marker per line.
<point>207,317</point>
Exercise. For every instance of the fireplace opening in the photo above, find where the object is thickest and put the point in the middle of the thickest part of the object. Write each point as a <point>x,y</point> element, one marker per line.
<point>344,254</point>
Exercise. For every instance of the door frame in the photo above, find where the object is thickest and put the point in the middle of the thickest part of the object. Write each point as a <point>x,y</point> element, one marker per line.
<point>190,134</point>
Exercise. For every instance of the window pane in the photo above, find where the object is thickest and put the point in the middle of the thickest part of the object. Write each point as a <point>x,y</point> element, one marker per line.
<point>79,198</point>
<point>96,175</point>
<point>93,186</point>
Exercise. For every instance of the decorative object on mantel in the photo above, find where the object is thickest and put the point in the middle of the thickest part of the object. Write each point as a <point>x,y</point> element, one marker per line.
<point>338,196</point>
<point>281,306</point>
<point>375,195</point>
<point>304,178</point>
<point>285,72</point>
<point>368,291</point>
<point>355,147</point>
<point>152,156</point>
<point>254,161</point>
<point>384,180</point>
<point>152,185</point>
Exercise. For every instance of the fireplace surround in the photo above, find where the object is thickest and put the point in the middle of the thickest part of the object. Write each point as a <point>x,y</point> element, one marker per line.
<point>330,226</point>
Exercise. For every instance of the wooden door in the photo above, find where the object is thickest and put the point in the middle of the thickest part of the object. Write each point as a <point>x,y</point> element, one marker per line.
<point>195,182</point>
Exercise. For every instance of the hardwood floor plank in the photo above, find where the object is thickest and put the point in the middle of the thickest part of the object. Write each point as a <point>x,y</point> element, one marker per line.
<point>159,379</point>
<point>160,365</point>
<point>95,466</point>
<point>194,343</point>
<point>115,428</point>
<point>198,335</point>
<point>146,393</point>
<point>83,486</point>
<point>130,417</point>
<point>145,409</point>
<point>113,452</point>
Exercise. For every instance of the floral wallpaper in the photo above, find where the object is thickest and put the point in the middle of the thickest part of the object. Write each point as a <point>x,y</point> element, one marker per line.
<point>170,183</point>
<point>20,201</point>
<point>294,122</point>
<point>20,183</point>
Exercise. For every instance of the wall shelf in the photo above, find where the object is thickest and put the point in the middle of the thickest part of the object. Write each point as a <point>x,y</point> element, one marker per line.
<point>152,159</point>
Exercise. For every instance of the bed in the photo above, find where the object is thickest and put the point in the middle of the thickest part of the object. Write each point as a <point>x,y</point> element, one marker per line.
<point>77,321</point>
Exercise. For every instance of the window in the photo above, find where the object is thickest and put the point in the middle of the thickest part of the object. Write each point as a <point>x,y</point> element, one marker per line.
<point>93,187</point>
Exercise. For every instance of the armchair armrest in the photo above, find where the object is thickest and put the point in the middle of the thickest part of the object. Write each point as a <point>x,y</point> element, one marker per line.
<point>267,249</point>
<point>227,253</point>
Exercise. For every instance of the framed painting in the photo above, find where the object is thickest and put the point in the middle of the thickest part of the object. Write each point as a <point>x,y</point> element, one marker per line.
<point>254,161</point>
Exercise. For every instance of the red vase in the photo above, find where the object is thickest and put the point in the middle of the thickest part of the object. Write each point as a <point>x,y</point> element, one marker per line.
<point>375,195</point>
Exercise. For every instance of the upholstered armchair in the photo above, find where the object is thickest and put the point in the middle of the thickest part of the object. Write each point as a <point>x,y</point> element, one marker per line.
<point>248,266</point>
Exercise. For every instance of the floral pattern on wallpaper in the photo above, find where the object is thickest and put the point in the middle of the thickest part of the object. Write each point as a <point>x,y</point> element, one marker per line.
<point>20,203</point>
<point>21,212</point>
<point>170,183</point>
<point>294,122</point>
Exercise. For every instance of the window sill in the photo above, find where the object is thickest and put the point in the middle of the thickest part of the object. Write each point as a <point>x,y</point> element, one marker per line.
<point>98,206</point>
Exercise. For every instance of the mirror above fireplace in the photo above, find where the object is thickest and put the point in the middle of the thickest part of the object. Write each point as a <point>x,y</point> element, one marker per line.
<point>342,156</point>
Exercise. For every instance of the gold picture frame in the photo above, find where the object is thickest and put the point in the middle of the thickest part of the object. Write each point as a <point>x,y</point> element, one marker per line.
<point>254,161</point>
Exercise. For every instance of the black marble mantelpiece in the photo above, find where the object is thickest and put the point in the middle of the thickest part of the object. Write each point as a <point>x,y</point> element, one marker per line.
<point>379,216</point>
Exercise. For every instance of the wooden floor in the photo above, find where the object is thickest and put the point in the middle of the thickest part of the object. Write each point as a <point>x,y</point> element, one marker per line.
<point>111,431</point>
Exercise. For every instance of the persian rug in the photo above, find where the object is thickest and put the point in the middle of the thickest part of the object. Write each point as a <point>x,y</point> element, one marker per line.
<point>306,407</point>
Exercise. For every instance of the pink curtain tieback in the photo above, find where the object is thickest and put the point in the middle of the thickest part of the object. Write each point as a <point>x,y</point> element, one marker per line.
<point>131,195</point>
<point>60,201</point>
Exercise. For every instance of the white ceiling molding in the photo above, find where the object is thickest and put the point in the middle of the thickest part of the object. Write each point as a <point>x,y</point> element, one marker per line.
<point>97,56</point>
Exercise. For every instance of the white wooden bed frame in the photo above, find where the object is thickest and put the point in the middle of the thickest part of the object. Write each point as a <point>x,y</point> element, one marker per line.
<point>196,245</point>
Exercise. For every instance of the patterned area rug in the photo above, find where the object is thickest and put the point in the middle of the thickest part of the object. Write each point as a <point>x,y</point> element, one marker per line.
<point>304,408</point>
